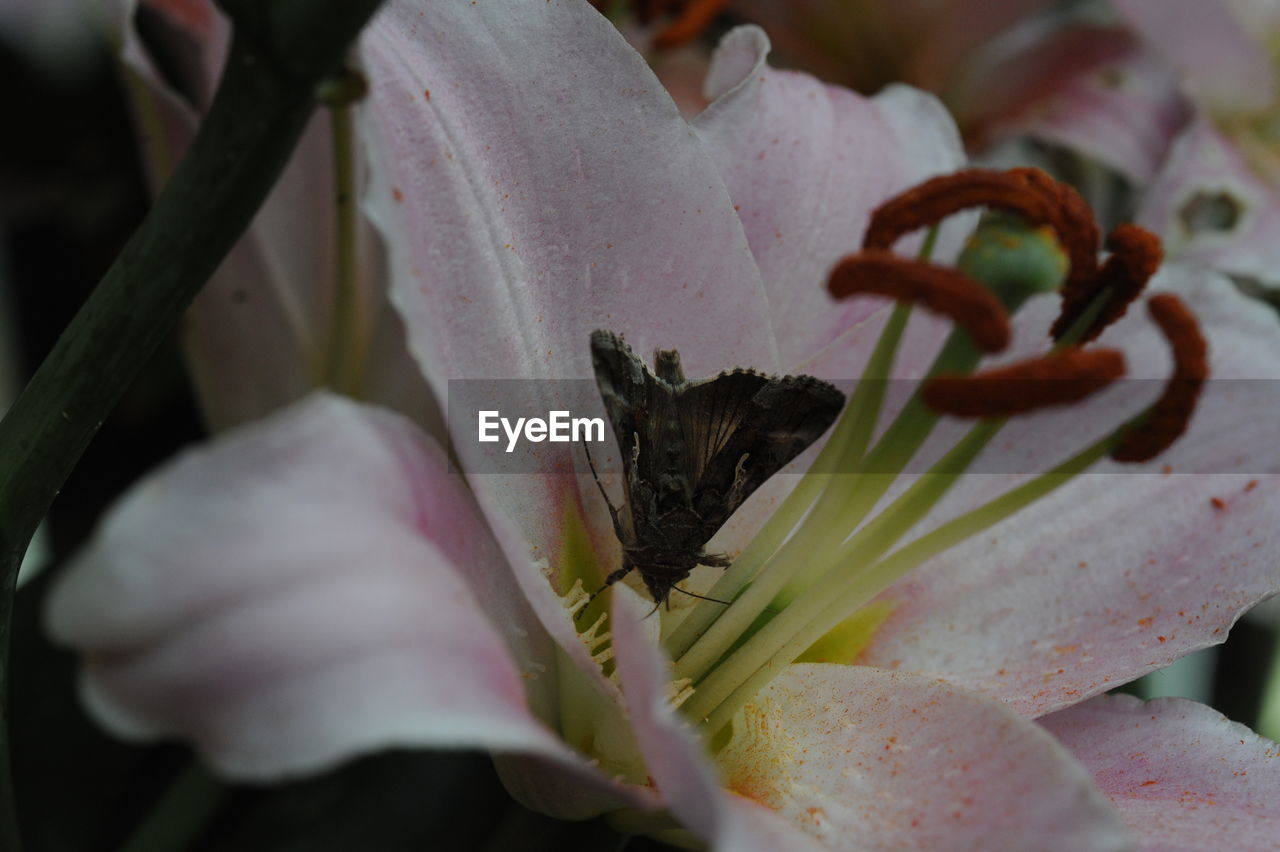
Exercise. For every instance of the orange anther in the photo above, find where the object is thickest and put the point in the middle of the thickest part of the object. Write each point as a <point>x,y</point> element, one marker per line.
<point>1066,376</point>
<point>938,288</point>
<point>1172,411</point>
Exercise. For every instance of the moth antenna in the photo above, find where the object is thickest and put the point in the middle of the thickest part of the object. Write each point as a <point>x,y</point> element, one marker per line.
<point>608,581</point>
<point>613,513</point>
<point>699,597</point>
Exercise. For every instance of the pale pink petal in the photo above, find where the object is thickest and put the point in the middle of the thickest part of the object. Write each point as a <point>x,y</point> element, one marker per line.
<point>1089,89</point>
<point>863,758</point>
<point>805,164</point>
<point>1210,207</point>
<point>1118,572</point>
<point>532,198</point>
<point>569,789</point>
<point>257,336</point>
<point>1226,66</point>
<point>675,757</point>
<point>311,587</point>
<point>1182,775</point>
<point>529,199</point>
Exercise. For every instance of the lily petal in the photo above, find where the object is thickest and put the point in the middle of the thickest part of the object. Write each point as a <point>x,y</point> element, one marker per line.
<point>267,311</point>
<point>308,588</point>
<point>1053,606</point>
<point>1182,775</point>
<point>1225,68</point>
<point>1097,92</point>
<point>526,208</point>
<point>530,200</point>
<point>805,163</point>
<point>675,757</point>
<point>864,758</point>
<point>1213,209</point>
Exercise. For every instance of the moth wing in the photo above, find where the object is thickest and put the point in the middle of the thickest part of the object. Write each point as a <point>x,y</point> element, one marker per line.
<point>743,427</point>
<point>626,386</point>
<point>624,383</point>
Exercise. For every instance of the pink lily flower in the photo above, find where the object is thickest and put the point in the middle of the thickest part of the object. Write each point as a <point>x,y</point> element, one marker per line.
<point>316,584</point>
<point>1181,98</point>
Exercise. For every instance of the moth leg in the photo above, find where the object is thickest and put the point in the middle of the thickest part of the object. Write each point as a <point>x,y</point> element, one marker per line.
<point>608,581</point>
<point>613,513</point>
<point>715,560</point>
<point>699,597</point>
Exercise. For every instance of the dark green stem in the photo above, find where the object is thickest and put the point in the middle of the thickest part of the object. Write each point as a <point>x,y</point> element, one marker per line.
<point>281,52</point>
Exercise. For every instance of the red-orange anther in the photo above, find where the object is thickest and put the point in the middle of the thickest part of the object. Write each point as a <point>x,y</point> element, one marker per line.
<point>1062,377</point>
<point>1172,411</point>
<point>938,288</point>
<point>935,199</point>
<point>1136,254</point>
<point>1073,222</point>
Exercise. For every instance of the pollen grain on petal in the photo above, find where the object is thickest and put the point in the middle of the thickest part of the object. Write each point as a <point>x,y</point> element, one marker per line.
<point>940,289</point>
<point>935,199</point>
<point>1172,411</point>
<point>1136,254</point>
<point>1059,378</point>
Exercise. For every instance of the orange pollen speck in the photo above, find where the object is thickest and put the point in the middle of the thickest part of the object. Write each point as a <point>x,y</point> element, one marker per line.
<point>940,289</point>
<point>1172,411</point>
<point>1058,378</point>
<point>1136,254</point>
<point>934,200</point>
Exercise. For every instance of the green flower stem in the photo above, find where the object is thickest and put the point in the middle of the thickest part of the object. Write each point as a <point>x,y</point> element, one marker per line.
<point>348,336</point>
<point>840,570</point>
<point>181,813</point>
<point>842,452</point>
<point>840,508</point>
<point>280,53</point>
<point>888,571</point>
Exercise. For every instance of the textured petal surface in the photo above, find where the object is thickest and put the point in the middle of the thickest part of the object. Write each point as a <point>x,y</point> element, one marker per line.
<point>535,182</point>
<point>1118,572</point>
<point>1211,208</point>
<point>805,164</point>
<point>1225,64</point>
<point>868,759</point>
<point>1182,775</point>
<point>257,336</point>
<point>675,758</point>
<point>311,587</point>
<point>1094,90</point>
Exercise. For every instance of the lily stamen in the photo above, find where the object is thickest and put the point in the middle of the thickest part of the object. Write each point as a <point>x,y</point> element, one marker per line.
<point>837,561</point>
<point>1061,377</point>
<point>940,289</point>
<point>1136,254</point>
<point>940,197</point>
<point>1172,411</point>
